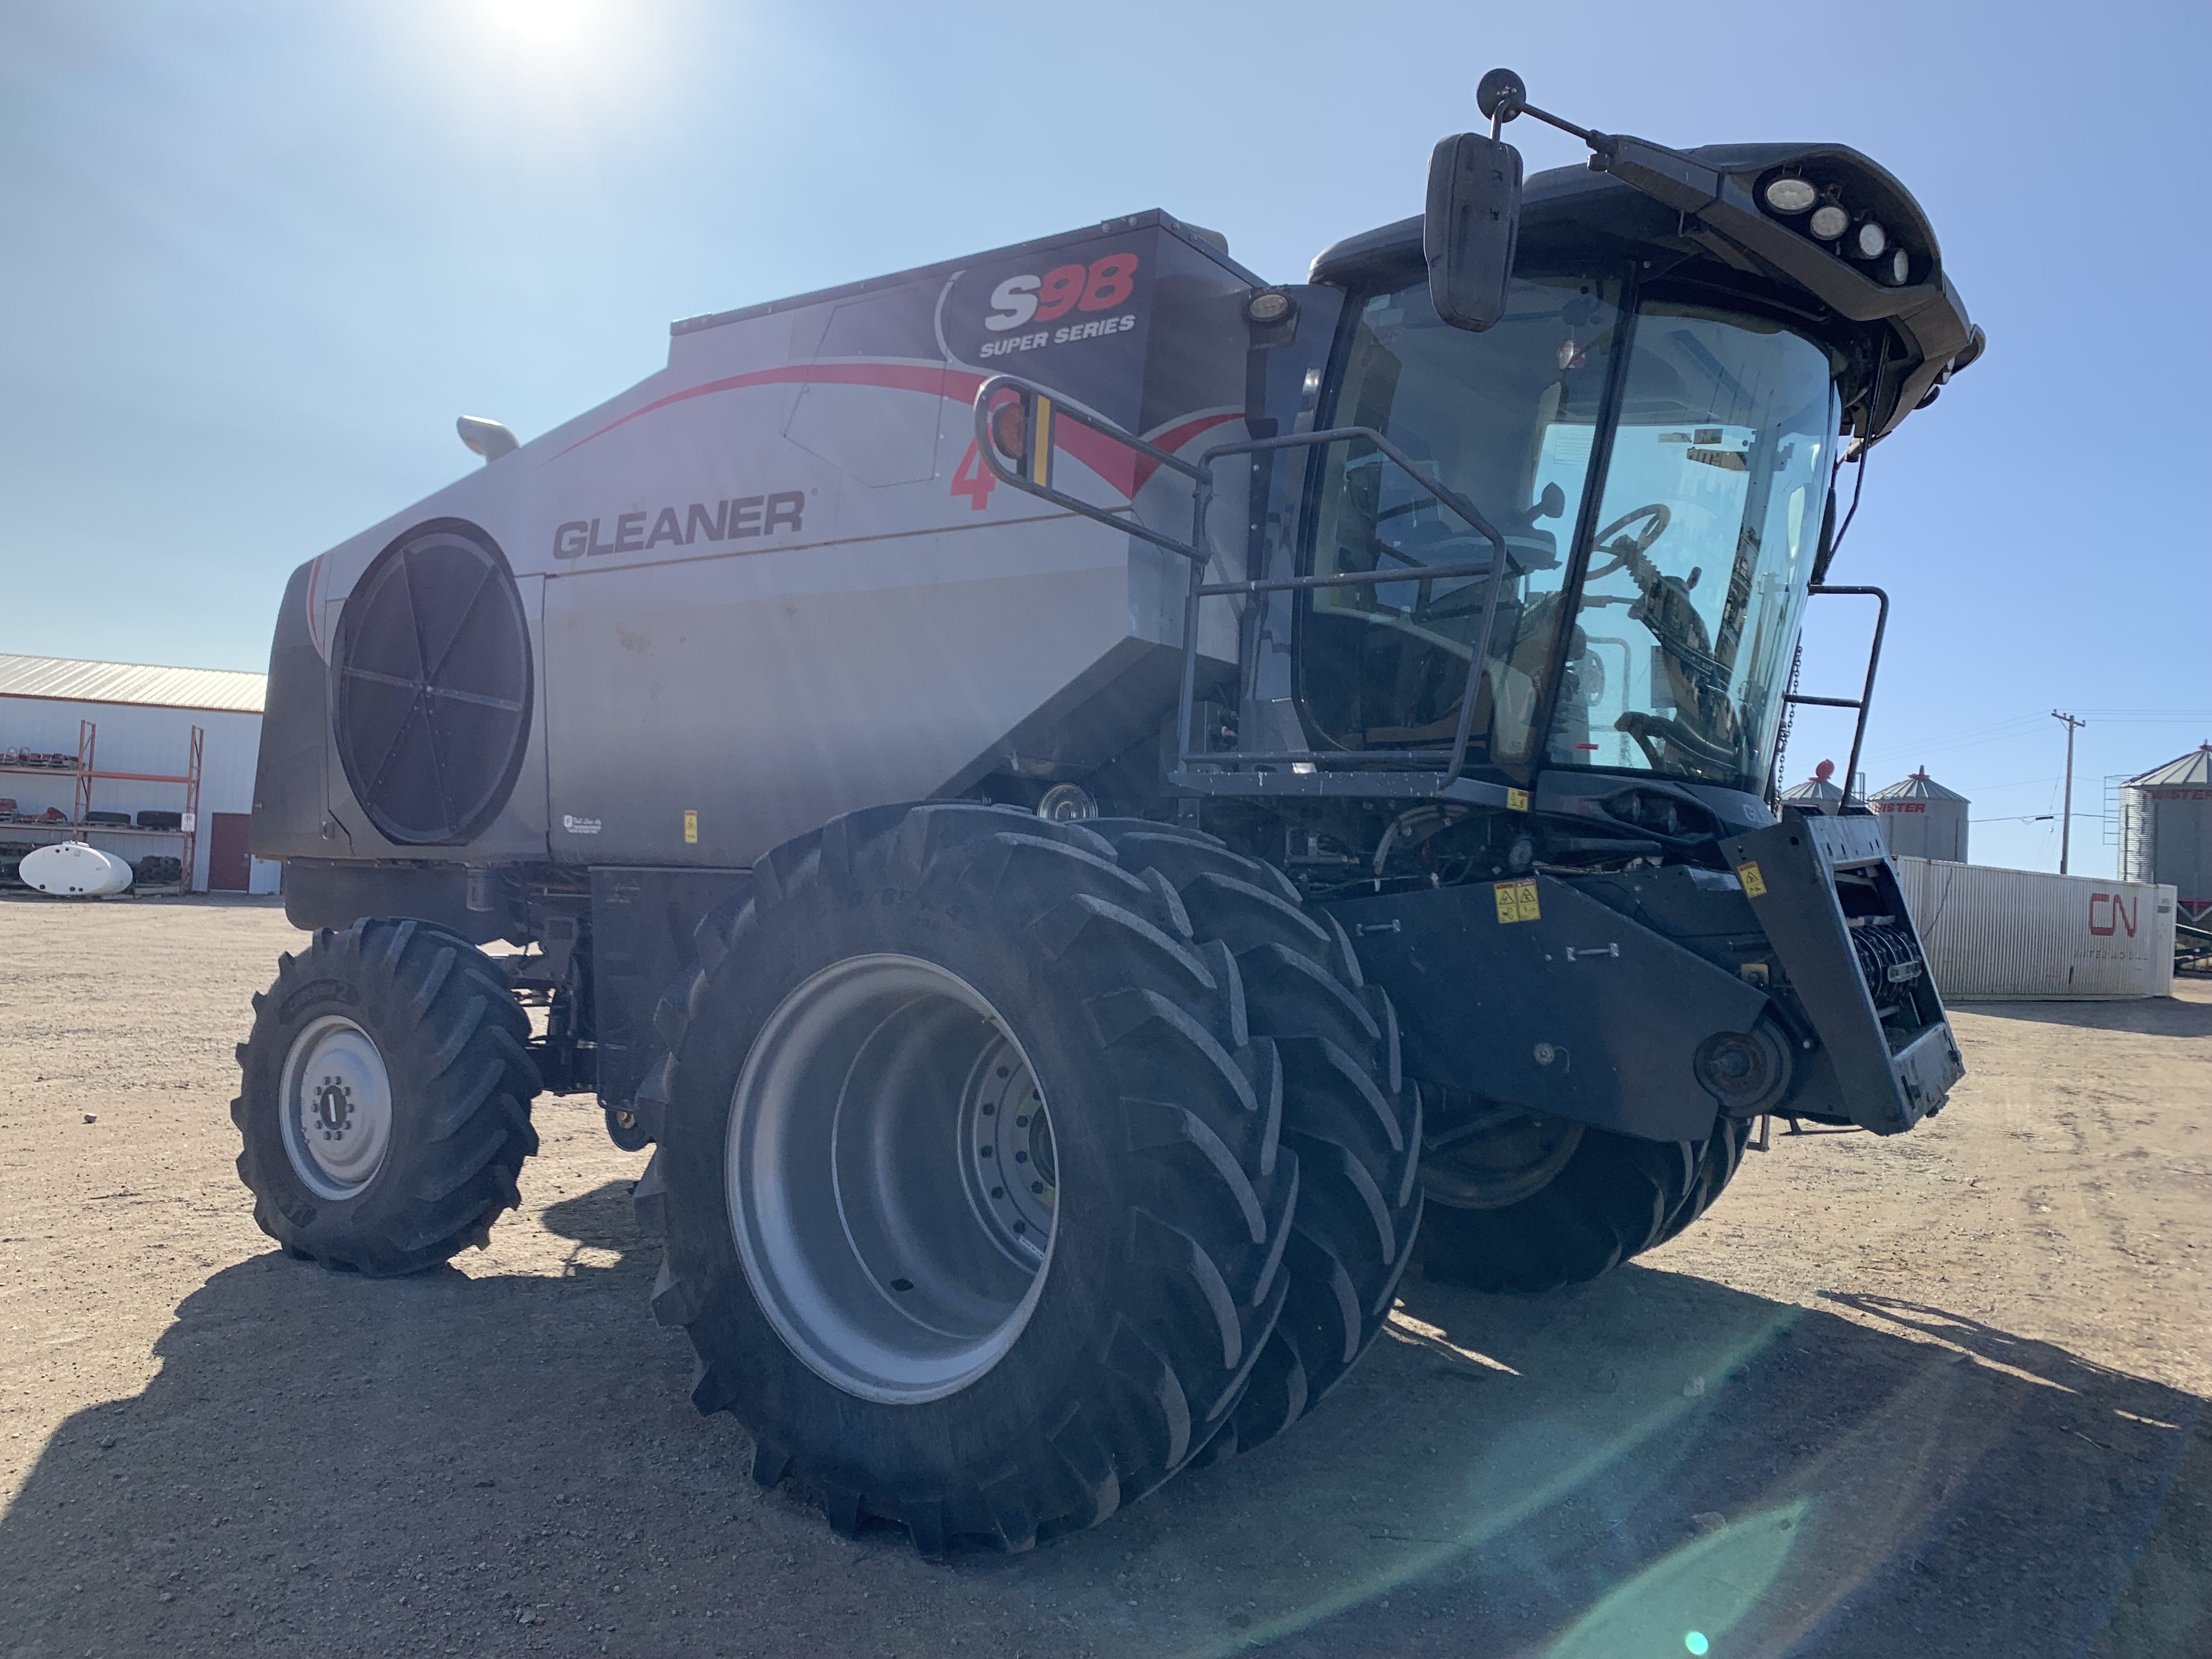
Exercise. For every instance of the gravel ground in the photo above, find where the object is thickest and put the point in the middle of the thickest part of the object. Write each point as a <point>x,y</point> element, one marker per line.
<point>1935,1395</point>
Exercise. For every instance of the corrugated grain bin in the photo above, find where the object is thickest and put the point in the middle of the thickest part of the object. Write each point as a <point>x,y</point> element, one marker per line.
<point>1816,794</point>
<point>2166,830</point>
<point>1922,818</point>
<point>1997,933</point>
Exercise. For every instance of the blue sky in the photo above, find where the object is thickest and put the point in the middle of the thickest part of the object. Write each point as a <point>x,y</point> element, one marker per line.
<point>257,256</point>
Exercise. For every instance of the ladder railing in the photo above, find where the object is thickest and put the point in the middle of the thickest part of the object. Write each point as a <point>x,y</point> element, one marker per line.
<point>1864,701</point>
<point>1031,470</point>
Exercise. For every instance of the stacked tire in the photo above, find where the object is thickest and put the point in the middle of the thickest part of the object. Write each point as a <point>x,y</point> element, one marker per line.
<point>1006,1166</point>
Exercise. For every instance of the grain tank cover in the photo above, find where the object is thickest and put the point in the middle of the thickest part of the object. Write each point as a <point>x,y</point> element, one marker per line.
<point>2166,830</point>
<point>771,583</point>
<point>1920,818</point>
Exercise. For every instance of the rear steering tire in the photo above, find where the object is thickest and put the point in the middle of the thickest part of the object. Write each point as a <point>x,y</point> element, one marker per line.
<point>906,1006</point>
<point>385,1098</point>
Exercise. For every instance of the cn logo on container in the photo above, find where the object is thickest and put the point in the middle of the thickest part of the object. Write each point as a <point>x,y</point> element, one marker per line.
<point>2110,912</point>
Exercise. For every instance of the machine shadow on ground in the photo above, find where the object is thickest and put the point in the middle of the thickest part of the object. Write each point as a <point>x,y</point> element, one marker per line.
<point>2188,1014</point>
<point>509,1465</point>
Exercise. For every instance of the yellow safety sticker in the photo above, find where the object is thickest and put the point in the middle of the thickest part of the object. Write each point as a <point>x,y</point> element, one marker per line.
<point>1754,884</point>
<point>1516,800</point>
<point>1516,901</point>
<point>690,827</point>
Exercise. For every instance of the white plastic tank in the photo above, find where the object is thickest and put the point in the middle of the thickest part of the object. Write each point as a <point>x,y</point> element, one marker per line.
<point>71,869</point>
<point>1920,818</point>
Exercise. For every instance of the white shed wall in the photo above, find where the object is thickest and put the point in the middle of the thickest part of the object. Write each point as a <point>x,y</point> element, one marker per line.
<point>2021,934</point>
<point>136,738</point>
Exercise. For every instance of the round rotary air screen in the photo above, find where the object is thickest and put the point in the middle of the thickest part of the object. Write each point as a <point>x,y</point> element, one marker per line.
<point>433,686</point>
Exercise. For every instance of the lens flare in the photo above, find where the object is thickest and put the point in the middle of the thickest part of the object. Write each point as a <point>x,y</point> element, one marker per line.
<point>1718,1580</point>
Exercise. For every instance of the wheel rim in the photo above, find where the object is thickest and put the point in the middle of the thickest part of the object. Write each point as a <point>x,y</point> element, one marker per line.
<point>1501,1166</point>
<point>337,1108</point>
<point>892,1177</point>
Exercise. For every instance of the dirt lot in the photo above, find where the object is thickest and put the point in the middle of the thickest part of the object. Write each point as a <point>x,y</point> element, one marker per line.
<point>1936,1396</point>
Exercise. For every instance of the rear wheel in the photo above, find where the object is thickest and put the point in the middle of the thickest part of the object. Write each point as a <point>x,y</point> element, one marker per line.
<point>970,1173</point>
<point>385,1104</point>
<point>1531,1204</point>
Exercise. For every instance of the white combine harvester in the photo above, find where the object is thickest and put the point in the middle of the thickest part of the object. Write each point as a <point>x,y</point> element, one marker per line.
<point>1068,793</point>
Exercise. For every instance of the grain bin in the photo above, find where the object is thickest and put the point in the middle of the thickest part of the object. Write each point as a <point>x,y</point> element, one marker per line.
<point>1818,794</point>
<point>2166,830</point>
<point>1921,819</point>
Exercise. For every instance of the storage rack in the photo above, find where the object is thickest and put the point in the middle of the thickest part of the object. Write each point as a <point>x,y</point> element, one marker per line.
<point>85,773</point>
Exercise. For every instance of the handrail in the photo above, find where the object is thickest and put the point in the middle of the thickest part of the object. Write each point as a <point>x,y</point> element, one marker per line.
<point>1500,561</point>
<point>1035,478</point>
<point>1046,406</point>
<point>1864,701</point>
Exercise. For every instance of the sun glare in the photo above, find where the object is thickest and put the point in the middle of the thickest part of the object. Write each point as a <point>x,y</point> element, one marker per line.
<point>549,26</point>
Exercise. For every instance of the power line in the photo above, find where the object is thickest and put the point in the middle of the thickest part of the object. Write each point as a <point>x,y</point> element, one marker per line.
<point>2020,726</point>
<point>2074,723</point>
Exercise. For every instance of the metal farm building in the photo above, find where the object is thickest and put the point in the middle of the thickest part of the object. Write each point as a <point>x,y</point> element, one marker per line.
<point>153,764</point>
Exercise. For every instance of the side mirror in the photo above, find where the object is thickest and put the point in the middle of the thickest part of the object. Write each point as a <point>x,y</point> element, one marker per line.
<point>1472,223</point>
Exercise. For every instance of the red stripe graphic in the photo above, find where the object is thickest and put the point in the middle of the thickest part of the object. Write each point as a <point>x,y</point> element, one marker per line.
<point>899,377</point>
<point>1119,467</point>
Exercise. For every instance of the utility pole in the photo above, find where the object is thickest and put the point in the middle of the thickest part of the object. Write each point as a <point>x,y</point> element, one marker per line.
<point>2066,822</point>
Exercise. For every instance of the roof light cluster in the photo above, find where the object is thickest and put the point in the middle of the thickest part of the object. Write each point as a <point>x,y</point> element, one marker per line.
<point>1827,218</point>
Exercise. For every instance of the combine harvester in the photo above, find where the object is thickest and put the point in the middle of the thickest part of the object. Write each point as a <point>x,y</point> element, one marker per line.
<point>1066,793</point>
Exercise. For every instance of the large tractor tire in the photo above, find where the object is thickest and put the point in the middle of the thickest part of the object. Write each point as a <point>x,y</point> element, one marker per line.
<point>1347,1112</point>
<point>1719,1156</point>
<point>385,1101</point>
<point>1541,1203</point>
<point>971,1175</point>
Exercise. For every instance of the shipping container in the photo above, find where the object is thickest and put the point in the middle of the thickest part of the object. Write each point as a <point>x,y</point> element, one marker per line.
<point>2003,934</point>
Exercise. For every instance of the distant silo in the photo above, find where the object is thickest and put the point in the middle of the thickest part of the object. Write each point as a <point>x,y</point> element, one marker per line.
<point>1817,794</point>
<point>2166,830</point>
<point>1922,819</point>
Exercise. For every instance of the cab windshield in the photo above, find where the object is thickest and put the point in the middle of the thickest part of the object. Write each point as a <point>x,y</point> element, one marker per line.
<point>1709,488</point>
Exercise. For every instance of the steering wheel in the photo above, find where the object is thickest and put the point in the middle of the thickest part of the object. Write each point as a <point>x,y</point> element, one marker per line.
<point>1661,516</point>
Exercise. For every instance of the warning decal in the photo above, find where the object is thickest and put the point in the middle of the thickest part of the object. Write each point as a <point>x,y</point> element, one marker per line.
<point>1754,884</point>
<point>1516,901</point>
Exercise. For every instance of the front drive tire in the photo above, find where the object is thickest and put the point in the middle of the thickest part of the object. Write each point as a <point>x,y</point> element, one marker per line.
<point>1598,1199</point>
<point>385,1098</point>
<point>1347,1112</point>
<point>906,1004</point>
